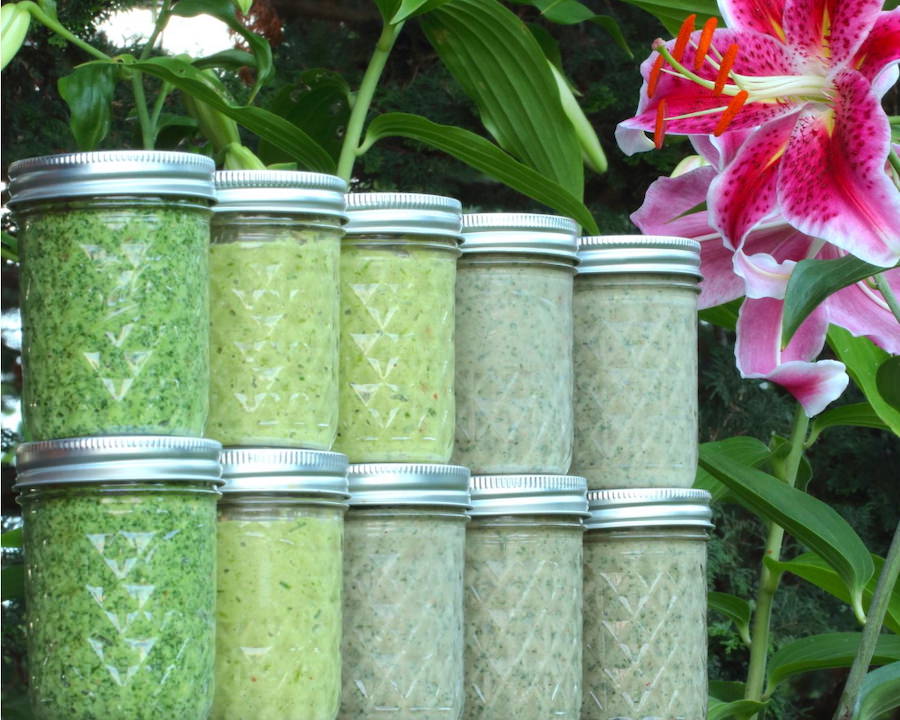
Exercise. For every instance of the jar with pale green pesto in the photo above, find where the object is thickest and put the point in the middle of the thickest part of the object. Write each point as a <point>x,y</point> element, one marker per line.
<point>636,361</point>
<point>115,309</point>
<point>514,371</point>
<point>278,591</point>
<point>274,308</point>
<point>645,604</point>
<point>403,592</point>
<point>120,553</point>
<point>398,269</point>
<point>523,597</point>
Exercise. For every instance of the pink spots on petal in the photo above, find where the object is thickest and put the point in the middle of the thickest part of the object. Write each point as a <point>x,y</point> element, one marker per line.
<point>763,16</point>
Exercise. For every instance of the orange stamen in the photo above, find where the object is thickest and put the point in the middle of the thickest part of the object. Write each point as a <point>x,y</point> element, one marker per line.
<point>659,131</point>
<point>684,34</point>
<point>725,68</point>
<point>737,102</point>
<point>653,77</point>
<point>705,41</point>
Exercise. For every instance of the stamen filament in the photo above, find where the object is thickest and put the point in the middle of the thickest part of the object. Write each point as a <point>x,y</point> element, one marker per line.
<point>684,34</point>
<point>725,68</point>
<point>659,131</point>
<point>705,41</point>
<point>737,102</point>
<point>690,75</point>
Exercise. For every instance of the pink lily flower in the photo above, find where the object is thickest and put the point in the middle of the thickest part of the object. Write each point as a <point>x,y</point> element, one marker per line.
<point>805,78</point>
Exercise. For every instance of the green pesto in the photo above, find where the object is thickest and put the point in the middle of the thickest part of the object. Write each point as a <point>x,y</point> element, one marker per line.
<point>115,317</point>
<point>120,597</point>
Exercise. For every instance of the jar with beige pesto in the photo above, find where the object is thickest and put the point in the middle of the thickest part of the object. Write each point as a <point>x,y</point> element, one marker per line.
<point>398,269</point>
<point>274,308</point>
<point>514,343</point>
<point>403,592</point>
<point>278,591</point>
<point>523,583</point>
<point>645,604</point>
<point>636,361</point>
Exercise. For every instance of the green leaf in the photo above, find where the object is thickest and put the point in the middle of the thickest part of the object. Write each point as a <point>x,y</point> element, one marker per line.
<point>12,582</point>
<point>727,690</point>
<point>863,358</point>
<point>88,91</point>
<point>735,609</point>
<point>814,280</point>
<point>12,538</point>
<point>781,448</point>
<point>830,650</point>
<point>723,316</point>
<point>500,65</point>
<point>10,247</point>
<point>879,694</point>
<point>482,155</point>
<point>411,8</point>
<point>738,709</point>
<point>888,381</point>
<point>809,520</point>
<point>855,415</point>
<point>571,12</point>
<point>671,13</point>
<point>232,59</point>
<point>745,450</point>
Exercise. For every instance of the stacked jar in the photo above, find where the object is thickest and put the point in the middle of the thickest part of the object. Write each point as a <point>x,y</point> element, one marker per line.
<point>636,443</point>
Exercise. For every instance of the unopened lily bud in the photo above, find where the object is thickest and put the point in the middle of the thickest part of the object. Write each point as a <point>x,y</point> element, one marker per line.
<point>14,22</point>
<point>593,153</point>
<point>240,157</point>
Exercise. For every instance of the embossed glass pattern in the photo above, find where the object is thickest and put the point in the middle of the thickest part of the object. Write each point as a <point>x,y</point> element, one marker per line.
<point>403,611</point>
<point>275,304</point>
<point>644,624</point>
<point>523,618</point>
<point>635,381</point>
<point>513,364</point>
<point>115,316</point>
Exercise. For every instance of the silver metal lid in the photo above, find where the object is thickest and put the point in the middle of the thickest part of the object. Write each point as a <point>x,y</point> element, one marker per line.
<point>112,172</point>
<point>403,213</point>
<point>645,507</point>
<point>528,495</point>
<point>408,484</point>
<point>604,254</point>
<point>520,233</point>
<point>280,191</point>
<point>118,458</point>
<point>284,470</point>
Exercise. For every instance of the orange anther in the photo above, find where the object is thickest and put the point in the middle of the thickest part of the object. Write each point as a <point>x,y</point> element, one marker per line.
<point>737,102</point>
<point>725,68</point>
<point>659,131</point>
<point>684,34</point>
<point>653,77</point>
<point>705,41</point>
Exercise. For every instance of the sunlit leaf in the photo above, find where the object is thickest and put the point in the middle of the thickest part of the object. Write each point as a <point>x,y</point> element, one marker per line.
<point>879,695</point>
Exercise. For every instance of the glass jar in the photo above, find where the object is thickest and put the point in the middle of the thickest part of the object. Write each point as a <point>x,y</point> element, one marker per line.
<point>120,554</point>
<point>403,592</point>
<point>278,605</point>
<point>274,308</point>
<point>636,362</point>
<point>523,597</point>
<point>645,604</point>
<point>115,307</point>
<point>514,344</point>
<point>398,269</point>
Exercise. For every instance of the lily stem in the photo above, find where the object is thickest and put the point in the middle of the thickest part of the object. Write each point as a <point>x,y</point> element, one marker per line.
<point>769,579</point>
<point>888,294</point>
<point>54,25</point>
<point>877,610</point>
<point>149,124</point>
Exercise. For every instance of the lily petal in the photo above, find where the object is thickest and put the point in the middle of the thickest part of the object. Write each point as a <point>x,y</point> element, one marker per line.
<point>880,52</point>
<point>669,201</point>
<point>719,151</point>
<point>757,348</point>
<point>831,30</point>
<point>719,284</point>
<point>763,275</point>
<point>813,385</point>
<point>763,16</point>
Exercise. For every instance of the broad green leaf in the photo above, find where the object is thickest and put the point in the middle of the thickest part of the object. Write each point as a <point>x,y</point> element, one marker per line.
<point>745,450</point>
<point>830,650</point>
<point>735,609</point>
<point>571,12</point>
<point>88,91</point>
<point>12,538</point>
<point>411,8</point>
<point>815,570</point>
<point>482,155</point>
<point>856,415</point>
<point>814,280</point>
<point>863,358</point>
<point>233,60</point>
<point>879,694</point>
<point>727,690</point>
<point>809,520</point>
<point>12,582</point>
<point>737,709</point>
<point>500,65</point>
<point>671,13</point>
<point>723,316</point>
<point>888,381</point>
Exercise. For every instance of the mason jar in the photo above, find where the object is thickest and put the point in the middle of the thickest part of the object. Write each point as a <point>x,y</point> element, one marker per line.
<point>523,597</point>
<point>120,558</point>
<point>274,308</point>
<point>403,592</point>
<point>114,281</point>
<point>514,344</point>
<point>645,604</point>
<point>278,604</point>
<point>398,269</point>
<point>636,361</point>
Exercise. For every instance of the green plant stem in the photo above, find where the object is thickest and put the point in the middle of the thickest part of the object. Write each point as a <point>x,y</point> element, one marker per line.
<point>148,123</point>
<point>888,294</point>
<point>877,610</point>
<point>55,26</point>
<point>895,161</point>
<point>769,580</point>
<point>161,21</point>
<point>158,106</point>
<point>349,149</point>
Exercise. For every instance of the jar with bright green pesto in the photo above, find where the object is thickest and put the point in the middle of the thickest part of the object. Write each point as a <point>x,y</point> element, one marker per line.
<point>278,594</point>
<point>403,592</point>
<point>274,308</point>
<point>636,361</point>
<point>514,373</point>
<point>645,604</point>
<point>398,269</point>
<point>114,278</point>
<point>523,597</point>
<point>120,554</point>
